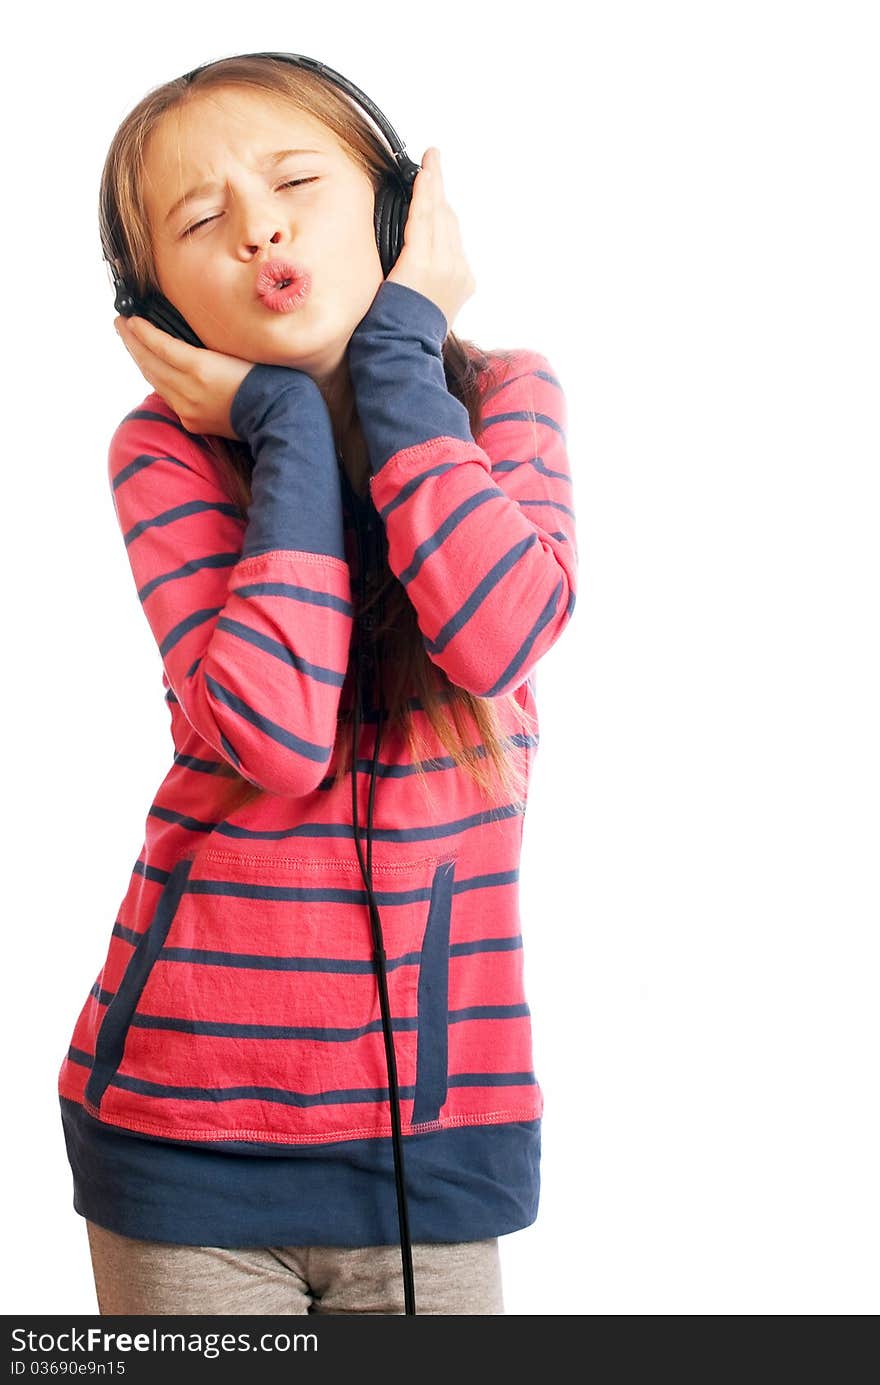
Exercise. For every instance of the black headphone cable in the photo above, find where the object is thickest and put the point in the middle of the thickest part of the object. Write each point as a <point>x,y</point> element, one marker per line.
<point>379,957</point>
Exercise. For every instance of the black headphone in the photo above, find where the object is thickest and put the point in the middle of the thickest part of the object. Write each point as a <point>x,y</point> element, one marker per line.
<point>390,211</point>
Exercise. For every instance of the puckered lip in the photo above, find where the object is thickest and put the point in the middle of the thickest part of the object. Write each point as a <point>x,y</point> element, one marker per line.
<point>273,272</point>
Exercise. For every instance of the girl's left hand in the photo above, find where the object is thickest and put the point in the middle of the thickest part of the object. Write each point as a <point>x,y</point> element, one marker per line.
<point>432,260</point>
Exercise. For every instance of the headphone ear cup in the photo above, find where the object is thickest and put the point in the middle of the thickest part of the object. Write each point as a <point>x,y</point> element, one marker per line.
<point>156,308</point>
<point>390,211</point>
<point>163,314</point>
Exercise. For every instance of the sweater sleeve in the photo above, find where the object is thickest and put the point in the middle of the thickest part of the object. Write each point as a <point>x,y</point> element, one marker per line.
<point>252,619</point>
<point>481,532</point>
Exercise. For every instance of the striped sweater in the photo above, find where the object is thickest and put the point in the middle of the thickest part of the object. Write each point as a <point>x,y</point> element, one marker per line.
<point>226,1079</point>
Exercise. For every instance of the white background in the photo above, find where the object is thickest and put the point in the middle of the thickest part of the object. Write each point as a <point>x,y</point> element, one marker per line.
<point>677,204</point>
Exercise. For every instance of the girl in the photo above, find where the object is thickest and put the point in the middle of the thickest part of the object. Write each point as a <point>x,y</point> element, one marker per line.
<point>332,484</point>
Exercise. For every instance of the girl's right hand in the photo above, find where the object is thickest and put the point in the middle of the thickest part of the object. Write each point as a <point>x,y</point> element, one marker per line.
<point>198,384</point>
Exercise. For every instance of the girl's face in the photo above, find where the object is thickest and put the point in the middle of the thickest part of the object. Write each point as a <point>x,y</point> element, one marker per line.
<point>248,215</point>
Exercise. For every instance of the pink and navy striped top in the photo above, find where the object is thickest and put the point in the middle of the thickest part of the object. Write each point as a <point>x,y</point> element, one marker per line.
<point>226,1079</point>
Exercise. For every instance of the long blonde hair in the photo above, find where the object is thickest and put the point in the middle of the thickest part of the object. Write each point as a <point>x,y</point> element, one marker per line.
<point>453,712</point>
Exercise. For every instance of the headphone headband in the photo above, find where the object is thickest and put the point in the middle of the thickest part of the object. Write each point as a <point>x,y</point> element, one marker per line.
<point>301,60</point>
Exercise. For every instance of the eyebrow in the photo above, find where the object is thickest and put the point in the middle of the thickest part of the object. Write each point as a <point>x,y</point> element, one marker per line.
<point>268,161</point>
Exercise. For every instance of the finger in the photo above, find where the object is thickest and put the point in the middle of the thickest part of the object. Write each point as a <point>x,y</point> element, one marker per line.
<point>144,369</point>
<point>157,370</point>
<point>138,353</point>
<point>170,350</point>
<point>435,169</point>
<point>422,192</point>
<point>134,342</point>
<point>428,170</point>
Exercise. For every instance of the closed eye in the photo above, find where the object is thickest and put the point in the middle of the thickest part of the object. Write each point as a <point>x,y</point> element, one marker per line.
<point>294,183</point>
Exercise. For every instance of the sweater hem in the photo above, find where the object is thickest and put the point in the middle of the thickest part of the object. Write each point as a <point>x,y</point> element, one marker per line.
<point>464,1183</point>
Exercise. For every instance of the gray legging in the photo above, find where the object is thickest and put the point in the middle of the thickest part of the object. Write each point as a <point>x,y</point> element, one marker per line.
<point>147,1277</point>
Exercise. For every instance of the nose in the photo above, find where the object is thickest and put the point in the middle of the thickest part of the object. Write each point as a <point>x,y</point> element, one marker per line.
<point>253,248</point>
<point>257,225</point>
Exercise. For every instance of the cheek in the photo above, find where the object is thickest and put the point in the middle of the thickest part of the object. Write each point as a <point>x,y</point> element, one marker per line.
<point>351,229</point>
<point>351,258</point>
<point>354,251</point>
<point>367,250</point>
<point>185,281</point>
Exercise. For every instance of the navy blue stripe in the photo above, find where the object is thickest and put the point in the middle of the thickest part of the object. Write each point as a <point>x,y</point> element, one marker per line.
<point>481,591</point>
<point>491,1079</point>
<point>128,935</point>
<point>212,560</point>
<point>183,627</point>
<point>410,487</point>
<point>524,416</point>
<point>525,648</point>
<point>432,1052</point>
<point>339,894</point>
<point>281,651</point>
<point>231,752</point>
<point>295,592</point>
<point>199,766</point>
<point>258,962</point>
<point>199,617</point>
<point>334,894</point>
<point>146,459</point>
<point>229,1029</point>
<point>495,389</point>
<point>392,771</point>
<point>472,882</point>
<point>523,375</point>
<point>220,1029</point>
<point>308,749</point>
<point>511,944</point>
<point>489,1012</point>
<point>253,961</point>
<point>80,1057</point>
<point>150,872</point>
<point>182,820</point>
<point>549,504</point>
<point>156,417</point>
<point>282,1096</point>
<point>323,830</point>
<point>536,464</point>
<point>449,525</point>
<point>111,1036</point>
<point>189,507</point>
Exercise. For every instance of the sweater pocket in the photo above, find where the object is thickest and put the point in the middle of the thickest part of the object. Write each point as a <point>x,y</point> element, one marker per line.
<point>110,1043</point>
<point>257,1015</point>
